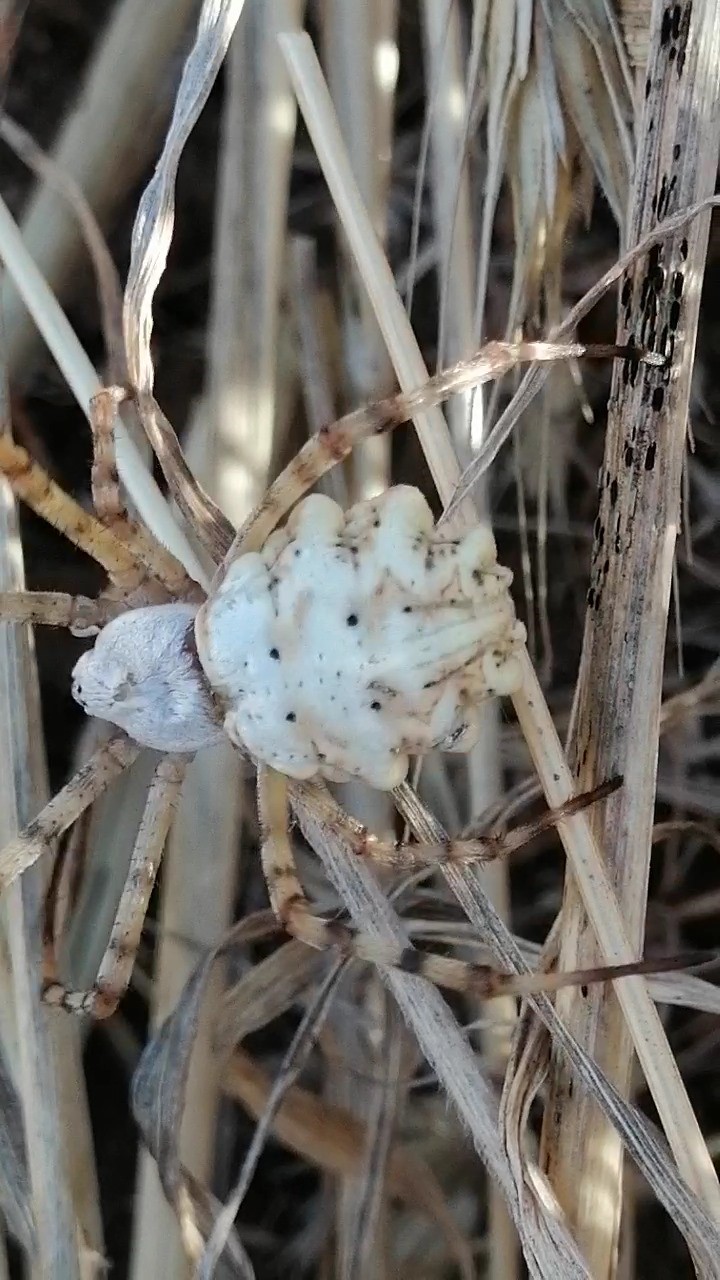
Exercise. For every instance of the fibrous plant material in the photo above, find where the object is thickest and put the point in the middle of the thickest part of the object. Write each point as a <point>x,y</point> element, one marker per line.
<point>39,1199</point>
<point>554,86</point>
<point>619,693</point>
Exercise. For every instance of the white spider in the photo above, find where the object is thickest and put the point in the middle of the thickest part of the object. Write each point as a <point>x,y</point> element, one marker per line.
<point>349,643</point>
<point>337,646</point>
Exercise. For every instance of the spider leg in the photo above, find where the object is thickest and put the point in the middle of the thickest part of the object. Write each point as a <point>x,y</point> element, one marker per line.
<point>116,966</point>
<point>292,909</point>
<point>331,444</point>
<point>94,777</point>
<point>407,858</point>
<point>290,904</point>
<point>208,522</point>
<point>110,506</point>
<point>38,491</point>
<point>57,609</point>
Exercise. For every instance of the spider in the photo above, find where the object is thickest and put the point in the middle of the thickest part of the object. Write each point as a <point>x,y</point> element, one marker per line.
<point>334,647</point>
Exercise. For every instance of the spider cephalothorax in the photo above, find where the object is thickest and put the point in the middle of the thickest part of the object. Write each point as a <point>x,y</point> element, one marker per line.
<point>142,674</point>
<point>352,641</point>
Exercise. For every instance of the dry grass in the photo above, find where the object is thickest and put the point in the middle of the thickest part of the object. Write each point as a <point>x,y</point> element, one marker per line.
<point>420,136</point>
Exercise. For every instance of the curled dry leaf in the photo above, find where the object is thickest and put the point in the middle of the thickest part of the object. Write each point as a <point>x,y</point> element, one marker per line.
<point>158,1100</point>
<point>263,993</point>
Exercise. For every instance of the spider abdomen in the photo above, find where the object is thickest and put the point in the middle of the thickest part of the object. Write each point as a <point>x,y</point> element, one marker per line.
<point>357,639</point>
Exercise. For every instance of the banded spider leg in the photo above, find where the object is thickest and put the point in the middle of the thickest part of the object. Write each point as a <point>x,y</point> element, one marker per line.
<point>292,908</point>
<point>140,571</point>
<point>287,896</point>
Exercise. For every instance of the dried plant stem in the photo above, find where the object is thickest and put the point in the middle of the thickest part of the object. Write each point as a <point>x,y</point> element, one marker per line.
<point>232,443</point>
<point>448,109</point>
<point>258,137</point>
<point>620,686</point>
<point>352,38</point>
<point>577,835</point>
<point>450,183</point>
<point>84,384</point>
<point>548,1247</point>
<point>23,787</point>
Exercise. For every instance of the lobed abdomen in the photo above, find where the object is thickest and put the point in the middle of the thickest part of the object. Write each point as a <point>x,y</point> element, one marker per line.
<point>357,639</point>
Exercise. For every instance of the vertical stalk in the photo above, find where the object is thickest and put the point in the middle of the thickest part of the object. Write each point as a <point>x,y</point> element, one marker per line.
<point>362,59</point>
<point>620,684</point>
<point>33,1046</point>
<point>446,95</point>
<point>231,449</point>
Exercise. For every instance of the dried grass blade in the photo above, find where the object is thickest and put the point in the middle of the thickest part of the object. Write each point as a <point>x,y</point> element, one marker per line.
<point>357,41</point>
<point>153,228</point>
<point>84,384</point>
<point>26,1027</point>
<point>647,1148</point>
<point>15,1190</point>
<point>158,1097</point>
<point>152,234</point>
<point>602,129</point>
<point>547,1246</point>
<point>621,676</point>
